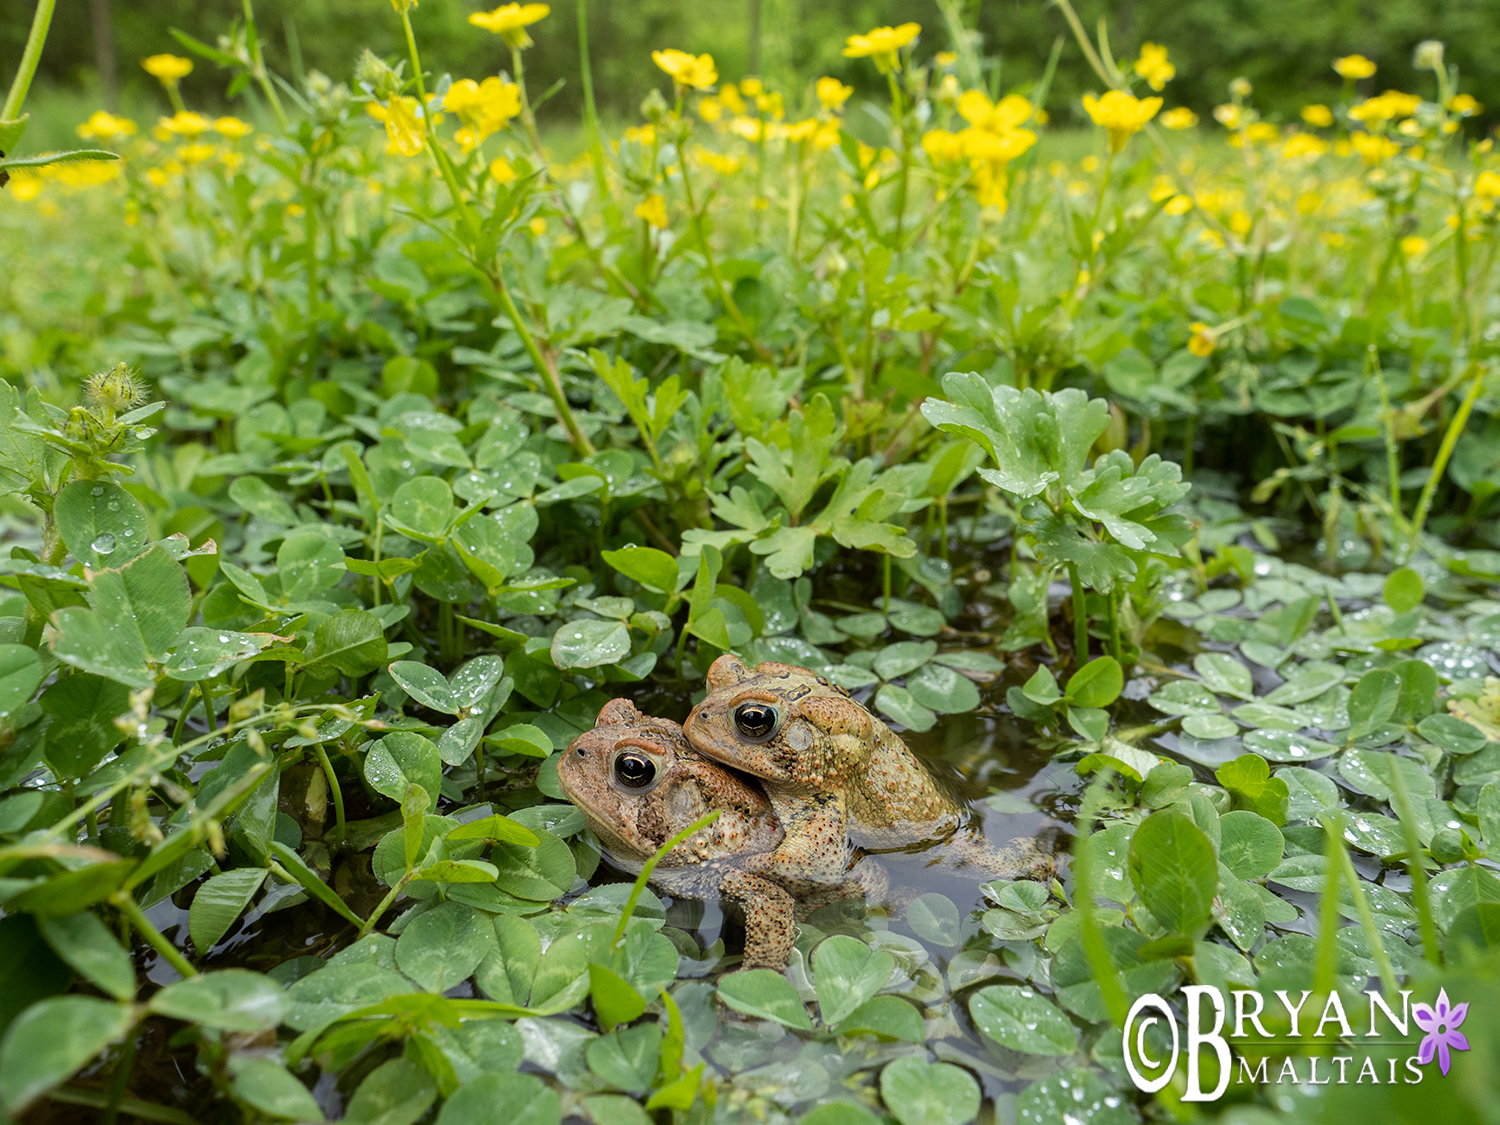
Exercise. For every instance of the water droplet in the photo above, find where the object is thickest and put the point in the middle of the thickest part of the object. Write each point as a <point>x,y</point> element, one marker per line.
<point>98,490</point>
<point>103,544</point>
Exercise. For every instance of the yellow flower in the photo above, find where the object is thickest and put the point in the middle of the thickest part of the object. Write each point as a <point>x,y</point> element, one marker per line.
<point>401,124</point>
<point>295,210</point>
<point>752,87</point>
<point>185,124</point>
<point>1303,144</point>
<point>511,21</point>
<point>1317,115</point>
<point>1464,105</point>
<point>1089,164</point>
<point>1413,245</point>
<point>1487,186</point>
<point>1240,87</point>
<point>197,152</point>
<point>168,69</point>
<point>232,161</point>
<point>1374,148</point>
<point>501,171</point>
<point>233,128</point>
<point>746,127</point>
<point>102,126</point>
<point>1153,66</point>
<point>1122,114</point>
<point>692,71</point>
<point>710,109</point>
<point>25,185</point>
<point>1228,115</point>
<point>771,104</point>
<point>654,210</point>
<point>941,146</point>
<point>1178,205</point>
<point>1354,67</point>
<point>729,94</point>
<point>976,108</point>
<point>1202,341</point>
<point>537,226</point>
<point>945,58</point>
<point>1240,222</point>
<point>801,131</point>
<point>641,134</point>
<point>722,163</point>
<point>1308,202</point>
<point>881,44</point>
<point>1392,103</point>
<point>833,93</point>
<point>484,107</point>
<point>1179,118</point>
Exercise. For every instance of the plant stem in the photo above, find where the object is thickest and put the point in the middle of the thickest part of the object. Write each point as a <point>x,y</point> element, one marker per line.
<point>119,1082</point>
<point>1080,617</point>
<point>32,55</point>
<point>545,368</point>
<point>1440,464</point>
<point>333,786</point>
<point>721,290</point>
<point>590,111</point>
<point>1419,897</point>
<point>154,937</point>
<point>258,68</point>
<point>385,904</point>
<point>1083,900</point>
<point>650,866</point>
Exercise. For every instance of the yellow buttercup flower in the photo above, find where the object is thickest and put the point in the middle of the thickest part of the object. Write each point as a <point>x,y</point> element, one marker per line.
<point>511,21</point>
<point>1487,186</point>
<point>729,94</point>
<point>752,87</point>
<point>1178,205</point>
<point>976,108</point>
<point>1303,144</point>
<point>945,58</point>
<point>1413,246</point>
<point>801,131</point>
<point>1121,113</point>
<point>402,127</point>
<point>1153,66</point>
<point>710,109</point>
<point>722,163</point>
<point>1179,118</point>
<point>1228,115</point>
<point>1391,104</point>
<point>1308,202</point>
<point>654,210</point>
<point>941,146</point>
<point>1202,341</point>
<point>832,93</point>
<point>1373,148</point>
<point>102,126</point>
<point>1354,67</point>
<point>185,124</point>
<point>233,128</point>
<point>197,152</point>
<point>881,44</point>
<point>1317,115</point>
<point>501,171</point>
<point>696,72</point>
<point>483,107</point>
<point>1464,105</point>
<point>168,69</point>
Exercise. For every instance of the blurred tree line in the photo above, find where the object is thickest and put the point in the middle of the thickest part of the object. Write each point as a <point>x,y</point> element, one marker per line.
<point>1283,46</point>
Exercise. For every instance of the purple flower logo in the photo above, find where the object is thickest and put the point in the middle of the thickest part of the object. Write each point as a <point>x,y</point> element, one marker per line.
<point>1441,1024</point>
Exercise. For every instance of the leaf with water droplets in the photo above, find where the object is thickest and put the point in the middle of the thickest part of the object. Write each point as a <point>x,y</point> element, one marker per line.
<point>201,653</point>
<point>1022,1020</point>
<point>20,674</point>
<point>101,524</point>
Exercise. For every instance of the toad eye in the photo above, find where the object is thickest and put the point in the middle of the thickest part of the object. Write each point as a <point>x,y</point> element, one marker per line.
<point>756,721</point>
<point>634,771</point>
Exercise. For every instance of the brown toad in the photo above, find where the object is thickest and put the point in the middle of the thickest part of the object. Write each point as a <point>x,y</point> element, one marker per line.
<point>838,778</point>
<point>638,783</point>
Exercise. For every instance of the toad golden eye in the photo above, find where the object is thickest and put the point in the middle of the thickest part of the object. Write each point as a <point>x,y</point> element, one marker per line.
<point>634,771</point>
<point>756,721</point>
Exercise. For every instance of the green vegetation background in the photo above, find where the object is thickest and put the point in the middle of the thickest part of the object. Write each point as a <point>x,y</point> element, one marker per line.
<point>1282,46</point>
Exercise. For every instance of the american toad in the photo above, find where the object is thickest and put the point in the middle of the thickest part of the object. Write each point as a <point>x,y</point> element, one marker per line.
<point>838,778</point>
<point>638,783</point>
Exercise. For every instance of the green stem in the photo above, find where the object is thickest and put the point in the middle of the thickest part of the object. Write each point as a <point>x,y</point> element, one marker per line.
<point>544,368</point>
<point>154,937</point>
<point>1080,617</point>
<point>1419,897</point>
<point>885,582</point>
<point>650,866</point>
<point>721,290</point>
<point>1388,418</point>
<point>590,111</point>
<point>1325,972</point>
<point>29,59</point>
<point>1083,899</point>
<point>1440,465</point>
<point>439,157</point>
<point>385,904</point>
<point>119,1082</point>
<point>208,704</point>
<point>258,68</point>
<point>338,794</point>
<point>1366,917</point>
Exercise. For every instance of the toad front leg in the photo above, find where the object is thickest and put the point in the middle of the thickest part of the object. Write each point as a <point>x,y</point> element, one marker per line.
<point>770,923</point>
